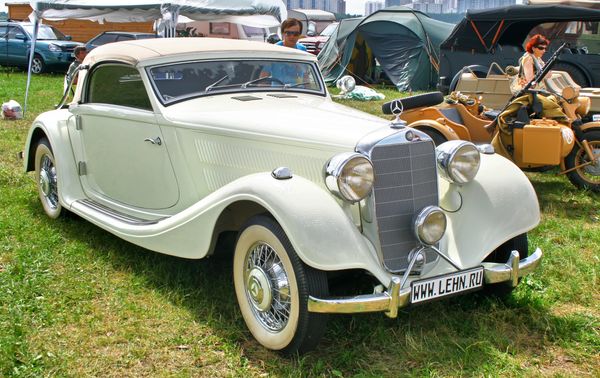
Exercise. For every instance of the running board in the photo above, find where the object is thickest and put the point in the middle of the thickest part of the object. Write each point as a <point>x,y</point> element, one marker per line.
<point>116,214</point>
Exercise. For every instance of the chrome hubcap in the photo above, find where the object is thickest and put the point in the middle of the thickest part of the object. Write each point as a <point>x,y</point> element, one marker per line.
<point>259,289</point>
<point>48,182</point>
<point>267,287</point>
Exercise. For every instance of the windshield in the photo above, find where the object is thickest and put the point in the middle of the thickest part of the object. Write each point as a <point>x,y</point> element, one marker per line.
<point>328,31</point>
<point>46,32</point>
<point>583,36</point>
<point>177,82</point>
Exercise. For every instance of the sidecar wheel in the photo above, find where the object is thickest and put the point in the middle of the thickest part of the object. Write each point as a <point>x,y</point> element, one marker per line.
<point>588,176</point>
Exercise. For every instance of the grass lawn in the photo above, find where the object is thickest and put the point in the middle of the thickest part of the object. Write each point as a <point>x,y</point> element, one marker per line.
<point>77,301</point>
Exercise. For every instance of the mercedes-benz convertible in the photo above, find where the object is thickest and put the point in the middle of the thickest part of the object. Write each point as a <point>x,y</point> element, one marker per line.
<point>168,143</point>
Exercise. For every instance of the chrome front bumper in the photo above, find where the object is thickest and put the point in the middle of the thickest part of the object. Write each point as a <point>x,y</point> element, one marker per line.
<point>397,297</point>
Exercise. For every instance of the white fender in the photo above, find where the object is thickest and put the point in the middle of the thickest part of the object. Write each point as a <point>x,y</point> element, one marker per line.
<point>322,234</point>
<point>495,207</point>
<point>54,126</point>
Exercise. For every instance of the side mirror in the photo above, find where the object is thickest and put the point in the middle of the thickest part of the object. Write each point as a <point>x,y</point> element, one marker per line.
<point>68,38</point>
<point>21,37</point>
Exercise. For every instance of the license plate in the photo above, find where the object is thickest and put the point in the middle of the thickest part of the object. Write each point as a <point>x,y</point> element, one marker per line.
<point>596,117</point>
<point>449,284</point>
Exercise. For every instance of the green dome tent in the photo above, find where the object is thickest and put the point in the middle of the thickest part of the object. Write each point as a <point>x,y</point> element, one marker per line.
<point>405,42</point>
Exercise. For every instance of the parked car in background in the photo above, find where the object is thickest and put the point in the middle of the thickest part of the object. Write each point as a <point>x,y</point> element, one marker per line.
<point>115,36</point>
<point>170,144</point>
<point>53,50</point>
<point>499,34</point>
<point>315,44</point>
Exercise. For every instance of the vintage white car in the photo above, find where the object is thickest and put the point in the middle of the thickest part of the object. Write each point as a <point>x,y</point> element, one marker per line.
<point>170,142</point>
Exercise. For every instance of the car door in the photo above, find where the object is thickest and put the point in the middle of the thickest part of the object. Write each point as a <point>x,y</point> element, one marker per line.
<point>3,45</point>
<point>121,153</point>
<point>17,45</point>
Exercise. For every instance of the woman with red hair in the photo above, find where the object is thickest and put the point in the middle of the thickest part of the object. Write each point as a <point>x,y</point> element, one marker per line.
<point>531,62</point>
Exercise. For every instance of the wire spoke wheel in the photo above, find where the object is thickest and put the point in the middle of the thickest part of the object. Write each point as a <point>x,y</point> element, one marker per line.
<point>267,287</point>
<point>272,286</point>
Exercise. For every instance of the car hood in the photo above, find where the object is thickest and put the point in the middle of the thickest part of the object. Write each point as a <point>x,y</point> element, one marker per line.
<point>59,42</point>
<point>301,118</point>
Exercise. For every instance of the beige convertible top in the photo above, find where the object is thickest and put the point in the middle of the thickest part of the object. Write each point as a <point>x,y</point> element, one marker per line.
<point>137,51</point>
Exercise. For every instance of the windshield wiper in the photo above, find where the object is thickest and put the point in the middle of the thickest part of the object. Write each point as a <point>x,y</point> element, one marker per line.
<point>210,87</point>
<point>296,85</point>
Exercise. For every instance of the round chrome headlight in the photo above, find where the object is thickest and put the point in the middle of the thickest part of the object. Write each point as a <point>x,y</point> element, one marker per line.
<point>349,176</point>
<point>430,225</point>
<point>458,161</point>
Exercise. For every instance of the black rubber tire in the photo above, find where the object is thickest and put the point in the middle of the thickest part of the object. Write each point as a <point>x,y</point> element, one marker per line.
<point>46,179</point>
<point>585,177</point>
<point>417,101</point>
<point>38,65</point>
<point>501,255</point>
<point>435,135</point>
<point>576,74</point>
<point>303,329</point>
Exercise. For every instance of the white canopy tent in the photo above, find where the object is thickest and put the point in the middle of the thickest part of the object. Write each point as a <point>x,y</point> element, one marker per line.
<point>259,13</point>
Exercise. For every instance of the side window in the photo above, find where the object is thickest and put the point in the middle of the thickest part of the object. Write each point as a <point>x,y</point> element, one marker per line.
<point>13,31</point>
<point>124,38</point>
<point>118,85</point>
<point>104,38</point>
<point>3,31</point>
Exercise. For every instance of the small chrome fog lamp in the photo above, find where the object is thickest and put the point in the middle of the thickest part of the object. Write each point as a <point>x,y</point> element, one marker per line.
<point>458,161</point>
<point>349,176</point>
<point>346,84</point>
<point>430,225</point>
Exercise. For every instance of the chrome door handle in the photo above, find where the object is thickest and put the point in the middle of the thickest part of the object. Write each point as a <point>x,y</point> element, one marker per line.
<point>154,141</point>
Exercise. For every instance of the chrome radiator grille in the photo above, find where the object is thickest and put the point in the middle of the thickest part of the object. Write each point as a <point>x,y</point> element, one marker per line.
<point>405,182</point>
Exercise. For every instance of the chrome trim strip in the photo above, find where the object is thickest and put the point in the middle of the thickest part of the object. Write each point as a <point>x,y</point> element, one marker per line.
<point>395,297</point>
<point>118,215</point>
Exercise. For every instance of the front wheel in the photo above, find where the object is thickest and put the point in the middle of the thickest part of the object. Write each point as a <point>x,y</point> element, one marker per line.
<point>520,244</point>
<point>47,179</point>
<point>585,176</point>
<point>37,64</point>
<point>272,286</point>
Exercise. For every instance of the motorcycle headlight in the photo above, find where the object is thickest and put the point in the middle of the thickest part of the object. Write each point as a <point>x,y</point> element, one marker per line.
<point>458,161</point>
<point>430,225</point>
<point>584,106</point>
<point>349,176</point>
<point>54,48</point>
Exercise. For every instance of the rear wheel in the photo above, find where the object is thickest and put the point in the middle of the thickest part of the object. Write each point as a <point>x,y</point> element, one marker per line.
<point>586,176</point>
<point>501,255</point>
<point>272,286</point>
<point>47,179</point>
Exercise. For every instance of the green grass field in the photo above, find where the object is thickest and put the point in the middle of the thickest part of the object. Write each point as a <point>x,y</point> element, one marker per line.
<point>77,301</point>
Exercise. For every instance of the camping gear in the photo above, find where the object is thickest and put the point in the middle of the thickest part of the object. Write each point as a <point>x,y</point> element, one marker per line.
<point>400,42</point>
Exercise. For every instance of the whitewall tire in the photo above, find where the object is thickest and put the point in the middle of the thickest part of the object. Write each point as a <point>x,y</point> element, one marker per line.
<point>272,286</point>
<point>47,179</point>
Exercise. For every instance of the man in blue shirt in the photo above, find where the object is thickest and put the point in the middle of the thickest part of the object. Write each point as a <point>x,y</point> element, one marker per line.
<point>290,32</point>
